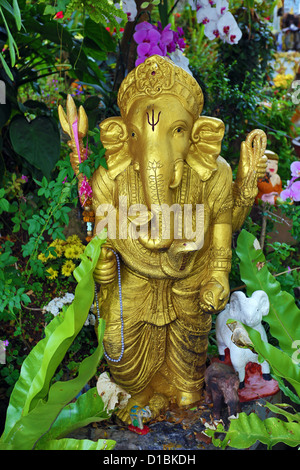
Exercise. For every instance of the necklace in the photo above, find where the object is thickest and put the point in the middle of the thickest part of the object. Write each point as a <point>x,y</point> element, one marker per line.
<point>121,311</point>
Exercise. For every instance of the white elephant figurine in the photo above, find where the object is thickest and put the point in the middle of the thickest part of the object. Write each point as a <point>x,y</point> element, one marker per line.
<point>250,312</point>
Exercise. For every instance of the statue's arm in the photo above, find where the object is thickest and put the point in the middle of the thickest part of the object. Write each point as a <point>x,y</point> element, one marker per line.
<point>252,166</point>
<point>103,193</point>
<point>214,294</point>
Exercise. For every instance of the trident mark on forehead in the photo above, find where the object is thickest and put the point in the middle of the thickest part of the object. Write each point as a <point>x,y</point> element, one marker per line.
<point>153,123</point>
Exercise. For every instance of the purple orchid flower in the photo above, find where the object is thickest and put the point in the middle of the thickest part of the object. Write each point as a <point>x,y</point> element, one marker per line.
<point>295,169</point>
<point>155,40</point>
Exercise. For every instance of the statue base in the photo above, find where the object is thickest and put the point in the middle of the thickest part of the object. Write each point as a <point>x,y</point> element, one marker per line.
<point>256,386</point>
<point>138,430</point>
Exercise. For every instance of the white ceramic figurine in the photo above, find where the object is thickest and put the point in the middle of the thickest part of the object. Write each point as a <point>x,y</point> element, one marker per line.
<point>250,312</point>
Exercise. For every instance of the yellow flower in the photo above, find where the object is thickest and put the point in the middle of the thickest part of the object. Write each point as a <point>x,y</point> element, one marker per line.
<point>74,251</point>
<point>67,268</point>
<point>52,273</point>
<point>59,249</point>
<point>73,239</point>
<point>42,258</point>
<point>69,252</point>
<point>57,241</point>
<point>283,80</point>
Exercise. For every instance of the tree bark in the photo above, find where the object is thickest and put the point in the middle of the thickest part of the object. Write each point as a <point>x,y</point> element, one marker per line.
<point>127,53</point>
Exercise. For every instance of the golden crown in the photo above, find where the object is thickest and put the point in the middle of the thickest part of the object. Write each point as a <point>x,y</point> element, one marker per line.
<point>159,75</point>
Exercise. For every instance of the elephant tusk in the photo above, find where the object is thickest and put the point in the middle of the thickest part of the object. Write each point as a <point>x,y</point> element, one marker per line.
<point>178,171</point>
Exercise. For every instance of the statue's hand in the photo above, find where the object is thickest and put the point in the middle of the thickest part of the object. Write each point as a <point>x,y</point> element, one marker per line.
<point>214,294</point>
<point>253,162</point>
<point>106,267</point>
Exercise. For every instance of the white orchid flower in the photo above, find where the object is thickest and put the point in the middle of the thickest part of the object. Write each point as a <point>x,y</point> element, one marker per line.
<point>228,28</point>
<point>222,7</point>
<point>206,15</point>
<point>129,8</point>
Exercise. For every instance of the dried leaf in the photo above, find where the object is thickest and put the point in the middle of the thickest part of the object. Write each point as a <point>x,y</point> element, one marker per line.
<point>112,394</point>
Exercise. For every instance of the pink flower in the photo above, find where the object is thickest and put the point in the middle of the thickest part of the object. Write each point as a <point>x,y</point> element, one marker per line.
<point>146,32</point>
<point>154,40</point>
<point>59,15</point>
<point>295,169</point>
<point>146,50</point>
<point>295,191</point>
<point>85,190</point>
<point>24,178</point>
<point>286,194</point>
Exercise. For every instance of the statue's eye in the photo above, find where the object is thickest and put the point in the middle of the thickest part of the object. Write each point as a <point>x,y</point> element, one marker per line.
<point>179,130</point>
<point>132,134</point>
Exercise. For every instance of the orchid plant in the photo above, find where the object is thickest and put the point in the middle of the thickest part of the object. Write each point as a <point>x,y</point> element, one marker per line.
<point>292,190</point>
<point>160,39</point>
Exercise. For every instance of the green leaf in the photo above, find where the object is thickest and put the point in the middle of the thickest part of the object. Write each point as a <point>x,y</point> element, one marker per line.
<point>17,14</point>
<point>97,33</point>
<point>82,444</point>
<point>246,430</point>
<point>26,432</point>
<point>4,205</point>
<point>7,6</point>
<point>6,67</point>
<point>284,315</point>
<point>37,141</point>
<point>88,408</point>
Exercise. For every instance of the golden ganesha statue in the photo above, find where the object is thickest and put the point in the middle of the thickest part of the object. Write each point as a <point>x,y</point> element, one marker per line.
<point>171,207</point>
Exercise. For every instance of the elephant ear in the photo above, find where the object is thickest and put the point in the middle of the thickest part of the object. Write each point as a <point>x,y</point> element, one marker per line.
<point>114,138</point>
<point>262,301</point>
<point>206,138</point>
<point>237,300</point>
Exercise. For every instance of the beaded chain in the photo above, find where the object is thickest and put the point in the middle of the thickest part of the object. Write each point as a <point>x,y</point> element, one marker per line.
<point>121,311</point>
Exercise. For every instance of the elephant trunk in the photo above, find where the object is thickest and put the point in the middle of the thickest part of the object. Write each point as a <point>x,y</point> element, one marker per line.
<point>159,184</point>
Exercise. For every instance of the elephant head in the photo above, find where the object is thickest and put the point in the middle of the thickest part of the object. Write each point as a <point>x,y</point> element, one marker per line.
<point>161,129</point>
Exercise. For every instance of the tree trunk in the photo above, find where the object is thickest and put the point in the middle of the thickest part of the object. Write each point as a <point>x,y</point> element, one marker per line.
<point>127,53</point>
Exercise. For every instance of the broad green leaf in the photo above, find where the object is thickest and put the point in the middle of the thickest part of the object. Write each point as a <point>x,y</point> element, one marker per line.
<point>88,408</point>
<point>284,315</point>
<point>247,430</point>
<point>76,444</point>
<point>37,141</point>
<point>26,432</point>
<point>41,363</point>
<point>281,408</point>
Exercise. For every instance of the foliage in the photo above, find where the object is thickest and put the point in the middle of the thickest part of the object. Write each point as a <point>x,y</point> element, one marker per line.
<point>253,52</point>
<point>35,402</point>
<point>255,274</point>
<point>30,131</point>
<point>247,430</point>
<point>14,11</point>
<point>31,222</point>
<point>283,320</point>
<point>292,211</point>
<point>103,12</point>
<point>274,116</point>
<point>223,95</point>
